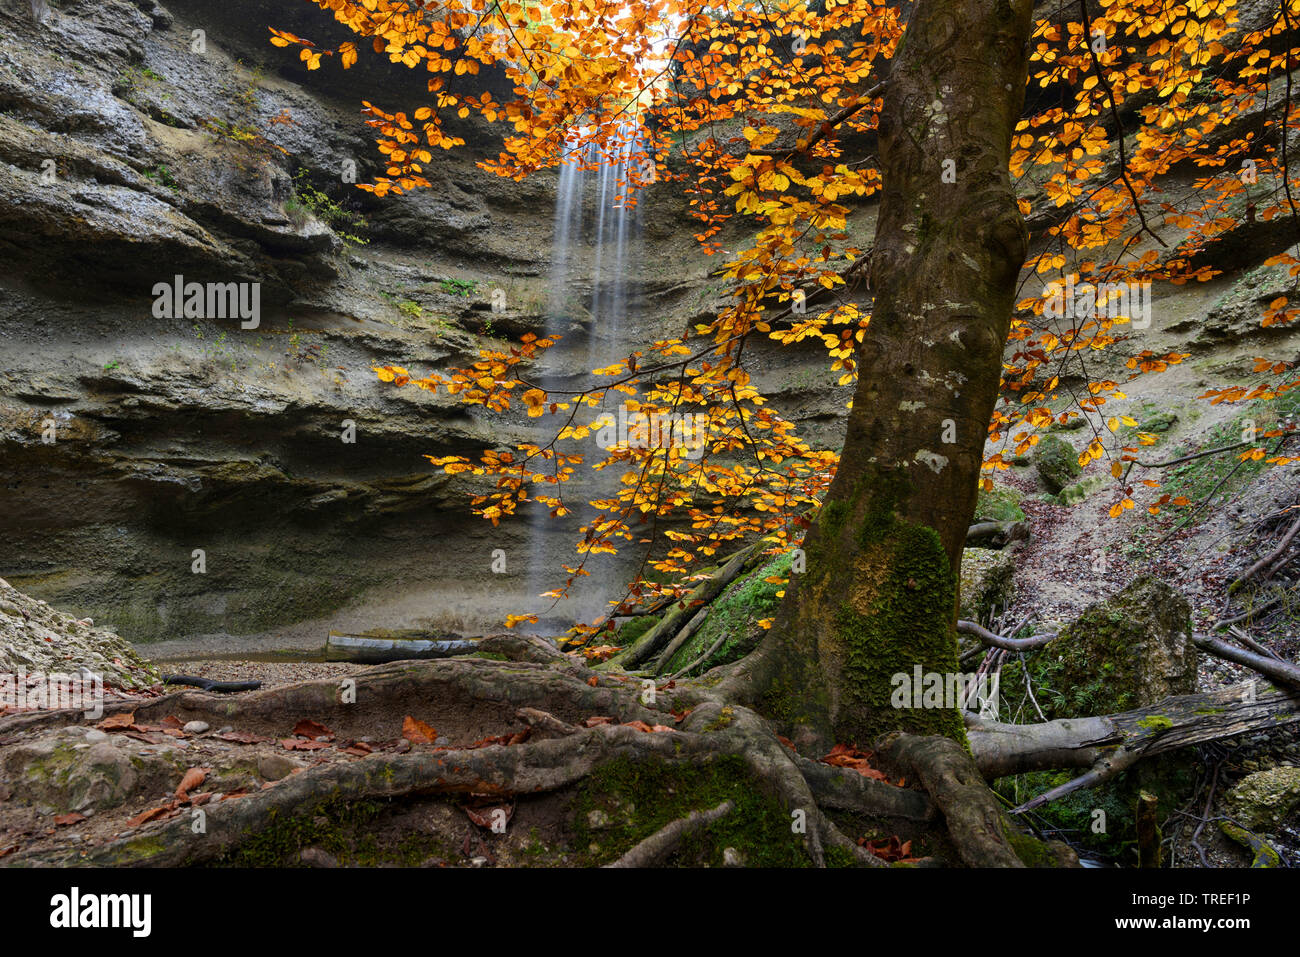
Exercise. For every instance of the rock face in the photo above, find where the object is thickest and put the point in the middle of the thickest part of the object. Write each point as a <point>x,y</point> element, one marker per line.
<point>1130,650</point>
<point>1056,462</point>
<point>183,476</point>
<point>1266,799</point>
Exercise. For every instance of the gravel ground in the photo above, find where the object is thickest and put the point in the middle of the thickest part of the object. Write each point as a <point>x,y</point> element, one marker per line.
<point>270,673</point>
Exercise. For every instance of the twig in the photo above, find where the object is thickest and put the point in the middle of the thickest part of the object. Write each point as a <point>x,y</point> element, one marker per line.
<point>1268,560</point>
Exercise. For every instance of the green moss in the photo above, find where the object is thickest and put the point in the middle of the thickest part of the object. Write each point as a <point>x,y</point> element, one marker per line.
<point>634,629</point>
<point>342,827</point>
<point>908,624</point>
<point>1056,461</point>
<point>634,799</point>
<point>1031,851</point>
<point>1155,722</point>
<point>1002,504</point>
<point>734,618</point>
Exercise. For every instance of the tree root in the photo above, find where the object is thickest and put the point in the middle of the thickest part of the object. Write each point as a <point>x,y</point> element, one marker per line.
<point>656,848</point>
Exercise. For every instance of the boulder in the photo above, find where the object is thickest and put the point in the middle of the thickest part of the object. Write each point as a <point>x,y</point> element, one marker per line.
<point>1125,652</point>
<point>1265,799</point>
<point>1056,461</point>
<point>1074,494</point>
<point>1002,504</point>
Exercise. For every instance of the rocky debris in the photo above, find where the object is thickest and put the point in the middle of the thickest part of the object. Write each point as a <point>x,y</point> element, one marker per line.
<point>987,582</point>
<point>1056,461</point>
<point>43,642</point>
<point>1266,799</point>
<point>1125,652</point>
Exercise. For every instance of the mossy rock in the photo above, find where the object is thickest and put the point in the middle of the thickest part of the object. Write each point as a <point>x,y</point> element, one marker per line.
<point>1131,650</point>
<point>1264,800</point>
<point>987,582</point>
<point>1056,461</point>
<point>1160,422</point>
<point>1002,504</point>
<point>1079,492</point>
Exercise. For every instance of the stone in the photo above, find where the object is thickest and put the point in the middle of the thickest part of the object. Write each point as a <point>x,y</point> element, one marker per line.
<point>597,819</point>
<point>1128,651</point>
<point>274,767</point>
<point>987,581</point>
<point>732,857</point>
<point>196,727</point>
<point>315,857</point>
<point>1077,493</point>
<point>1056,461</point>
<point>94,735</point>
<point>1002,504</point>
<point>1264,800</point>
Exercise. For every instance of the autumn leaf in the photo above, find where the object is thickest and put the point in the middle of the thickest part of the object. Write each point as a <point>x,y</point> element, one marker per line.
<point>192,779</point>
<point>312,729</point>
<point>417,732</point>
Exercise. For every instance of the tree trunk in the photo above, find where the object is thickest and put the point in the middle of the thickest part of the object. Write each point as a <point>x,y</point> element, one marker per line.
<point>879,596</point>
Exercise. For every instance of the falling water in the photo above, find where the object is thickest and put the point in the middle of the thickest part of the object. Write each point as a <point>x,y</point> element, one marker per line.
<point>595,209</point>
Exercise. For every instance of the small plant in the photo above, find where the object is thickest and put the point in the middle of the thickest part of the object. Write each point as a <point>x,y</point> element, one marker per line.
<point>308,201</point>
<point>459,287</point>
<point>410,308</point>
<point>111,365</point>
<point>161,175</point>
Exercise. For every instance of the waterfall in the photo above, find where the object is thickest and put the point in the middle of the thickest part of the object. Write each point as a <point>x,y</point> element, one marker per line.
<point>597,222</point>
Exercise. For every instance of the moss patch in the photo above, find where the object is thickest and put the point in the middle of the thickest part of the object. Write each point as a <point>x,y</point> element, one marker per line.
<point>626,801</point>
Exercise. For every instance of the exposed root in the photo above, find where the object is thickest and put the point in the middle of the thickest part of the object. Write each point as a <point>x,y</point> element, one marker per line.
<point>974,818</point>
<point>656,848</point>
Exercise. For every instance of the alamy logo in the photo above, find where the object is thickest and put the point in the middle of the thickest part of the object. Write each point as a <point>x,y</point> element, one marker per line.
<point>74,910</point>
<point>654,431</point>
<point>934,689</point>
<point>214,300</point>
<point>38,691</point>
<point>1110,300</point>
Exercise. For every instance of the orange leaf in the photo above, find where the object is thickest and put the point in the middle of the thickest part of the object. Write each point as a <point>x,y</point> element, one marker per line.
<point>417,732</point>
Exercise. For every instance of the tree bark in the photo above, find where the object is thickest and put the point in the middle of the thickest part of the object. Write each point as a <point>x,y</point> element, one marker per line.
<point>880,593</point>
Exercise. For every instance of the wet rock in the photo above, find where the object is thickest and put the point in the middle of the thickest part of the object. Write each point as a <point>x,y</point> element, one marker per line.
<point>1078,492</point>
<point>196,727</point>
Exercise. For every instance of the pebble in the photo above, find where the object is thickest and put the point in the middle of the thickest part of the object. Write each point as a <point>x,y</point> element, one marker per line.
<point>94,735</point>
<point>226,730</point>
<point>196,727</point>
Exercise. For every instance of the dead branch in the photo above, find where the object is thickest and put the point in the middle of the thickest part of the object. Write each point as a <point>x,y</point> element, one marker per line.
<point>1280,671</point>
<point>998,641</point>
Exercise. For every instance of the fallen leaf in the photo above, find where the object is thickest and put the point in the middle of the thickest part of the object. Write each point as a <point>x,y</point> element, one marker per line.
<point>592,681</point>
<point>297,744</point>
<point>123,720</point>
<point>72,818</point>
<point>417,732</point>
<point>150,815</point>
<point>595,720</point>
<point>171,721</point>
<point>312,729</point>
<point>6,851</point>
<point>192,779</point>
<point>487,816</point>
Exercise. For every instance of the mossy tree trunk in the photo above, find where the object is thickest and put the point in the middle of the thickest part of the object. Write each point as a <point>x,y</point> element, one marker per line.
<point>879,595</point>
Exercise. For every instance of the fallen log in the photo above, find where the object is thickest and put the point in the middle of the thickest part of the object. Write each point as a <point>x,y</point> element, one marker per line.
<point>995,534</point>
<point>680,615</point>
<point>1109,744</point>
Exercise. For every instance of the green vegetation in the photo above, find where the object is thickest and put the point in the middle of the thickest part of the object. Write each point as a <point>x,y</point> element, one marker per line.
<point>626,801</point>
<point>459,287</point>
<point>309,201</point>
